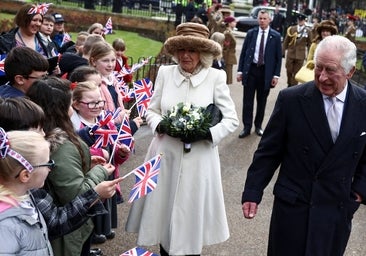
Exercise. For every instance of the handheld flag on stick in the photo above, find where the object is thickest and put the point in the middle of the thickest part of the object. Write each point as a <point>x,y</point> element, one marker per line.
<point>108,28</point>
<point>66,38</point>
<point>143,92</point>
<point>146,178</point>
<point>137,251</point>
<point>124,136</point>
<point>2,64</point>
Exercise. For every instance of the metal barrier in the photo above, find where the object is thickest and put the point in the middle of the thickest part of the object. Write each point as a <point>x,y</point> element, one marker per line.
<point>150,70</point>
<point>144,8</point>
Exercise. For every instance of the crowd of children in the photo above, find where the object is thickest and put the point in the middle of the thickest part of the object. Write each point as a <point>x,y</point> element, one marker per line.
<point>79,90</point>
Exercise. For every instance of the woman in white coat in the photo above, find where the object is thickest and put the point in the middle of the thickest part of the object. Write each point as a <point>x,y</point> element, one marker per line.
<point>186,210</point>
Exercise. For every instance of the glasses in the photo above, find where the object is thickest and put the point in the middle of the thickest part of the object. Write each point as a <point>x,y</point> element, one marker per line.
<point>95,104</point>
<point>35,77</point>
<point>51,165</point>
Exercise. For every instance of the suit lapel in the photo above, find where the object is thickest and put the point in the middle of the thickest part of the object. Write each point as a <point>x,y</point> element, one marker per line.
<point>353,112</point>
<point>313,109</point>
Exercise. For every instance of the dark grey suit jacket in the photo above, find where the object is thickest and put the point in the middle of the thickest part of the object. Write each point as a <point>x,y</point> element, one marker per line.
<point>272,55</point>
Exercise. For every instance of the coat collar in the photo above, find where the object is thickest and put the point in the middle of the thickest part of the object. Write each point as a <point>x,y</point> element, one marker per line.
<point>196,79</point>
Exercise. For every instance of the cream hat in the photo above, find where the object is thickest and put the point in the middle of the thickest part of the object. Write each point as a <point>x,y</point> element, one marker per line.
<point>191,35</point>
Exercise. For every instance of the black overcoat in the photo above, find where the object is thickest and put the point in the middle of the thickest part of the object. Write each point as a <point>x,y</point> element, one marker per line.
<point>314,201</point>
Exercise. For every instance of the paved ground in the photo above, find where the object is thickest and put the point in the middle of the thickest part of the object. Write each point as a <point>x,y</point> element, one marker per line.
<point>248,237</point>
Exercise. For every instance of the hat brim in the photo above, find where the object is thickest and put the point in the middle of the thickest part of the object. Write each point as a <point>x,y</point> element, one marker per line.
<point>333,30</point>
<point>175,43</point>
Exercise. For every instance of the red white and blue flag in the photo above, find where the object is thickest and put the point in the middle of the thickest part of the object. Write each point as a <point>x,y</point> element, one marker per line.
<point>104,138</point>
<point>139,65</point>
<point>137,251</point>
<point>125,135</point>
<point>65,39</point>
<point>143,92</point>
<point>146,178</point>
<point>40,8</point>
<point>108,28</point>
<point>2,64</point>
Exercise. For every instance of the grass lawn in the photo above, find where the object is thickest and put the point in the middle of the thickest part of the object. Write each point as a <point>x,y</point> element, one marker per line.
<point>136,46</point>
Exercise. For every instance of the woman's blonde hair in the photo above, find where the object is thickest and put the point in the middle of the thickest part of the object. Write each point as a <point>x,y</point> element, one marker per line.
<point>28,144</point>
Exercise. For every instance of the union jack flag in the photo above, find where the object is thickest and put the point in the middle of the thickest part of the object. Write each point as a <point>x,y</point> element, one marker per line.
<point>66,38</point>
<point>146,178</point>
<point>40,8</point>
<point>137,66</point>
<point>125,135</point>
<point>137,251</point>
<point>143,92</point>
<point>104,118</point>
<point>108,27</point>
<point>127,93</point>
<point>104,137</point>
<point>2,64</point>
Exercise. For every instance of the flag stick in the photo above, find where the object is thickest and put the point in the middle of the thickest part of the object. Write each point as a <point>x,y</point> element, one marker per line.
<point>128,174</point>
<point>115,145</point>
<point>133,105</point>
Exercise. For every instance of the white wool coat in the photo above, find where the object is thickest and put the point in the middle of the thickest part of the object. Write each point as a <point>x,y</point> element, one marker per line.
<point>186,211</point>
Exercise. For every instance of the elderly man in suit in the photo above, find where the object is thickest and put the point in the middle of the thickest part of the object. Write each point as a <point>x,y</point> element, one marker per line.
<point>317,135</point>
<point>259,68</point>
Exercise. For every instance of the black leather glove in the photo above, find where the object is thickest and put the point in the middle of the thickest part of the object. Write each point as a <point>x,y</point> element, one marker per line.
<point>206,135</point>
<point>163,128</point>
<point>214,113</point>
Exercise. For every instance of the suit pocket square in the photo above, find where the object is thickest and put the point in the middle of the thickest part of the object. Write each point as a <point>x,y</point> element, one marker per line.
<point>362,134</point>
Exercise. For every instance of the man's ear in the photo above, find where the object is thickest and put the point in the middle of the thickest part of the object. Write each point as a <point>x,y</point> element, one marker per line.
<point>351,72</point>
<point>19,79</point>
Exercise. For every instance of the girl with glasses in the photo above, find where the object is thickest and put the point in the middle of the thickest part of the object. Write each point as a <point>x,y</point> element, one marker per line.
<point>24,165</point>
<point>88,105</point>
<point>76,171</point>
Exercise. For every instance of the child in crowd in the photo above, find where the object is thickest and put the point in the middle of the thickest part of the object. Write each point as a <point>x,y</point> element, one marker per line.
<point>96,28</point>
<point>88,105</point>
<point>69,61</point>
<point>121,59</point>
<point>80,41</point>
<point>23,114</point>
<point>24,165</point>
<point>46,31</point>
<point>77,174</point>
<point>22,67</point>
<point>59,35</point>
<point>103,58</point>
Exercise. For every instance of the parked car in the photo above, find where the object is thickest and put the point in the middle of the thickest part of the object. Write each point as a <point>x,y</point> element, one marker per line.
<point>244,23</point>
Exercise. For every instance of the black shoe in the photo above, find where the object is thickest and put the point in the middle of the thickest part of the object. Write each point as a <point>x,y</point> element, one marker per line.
<point>244,133</point>
<point>259,131</point>
<point>95,252</point>
<point>111,235</point>
<point>98,239</point>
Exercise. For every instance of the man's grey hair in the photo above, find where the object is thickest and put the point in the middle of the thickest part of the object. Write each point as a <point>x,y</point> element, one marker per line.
<point>342,46</point>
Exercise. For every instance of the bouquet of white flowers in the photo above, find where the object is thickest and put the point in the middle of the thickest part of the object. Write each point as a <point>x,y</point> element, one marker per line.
<point>187,122</point>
